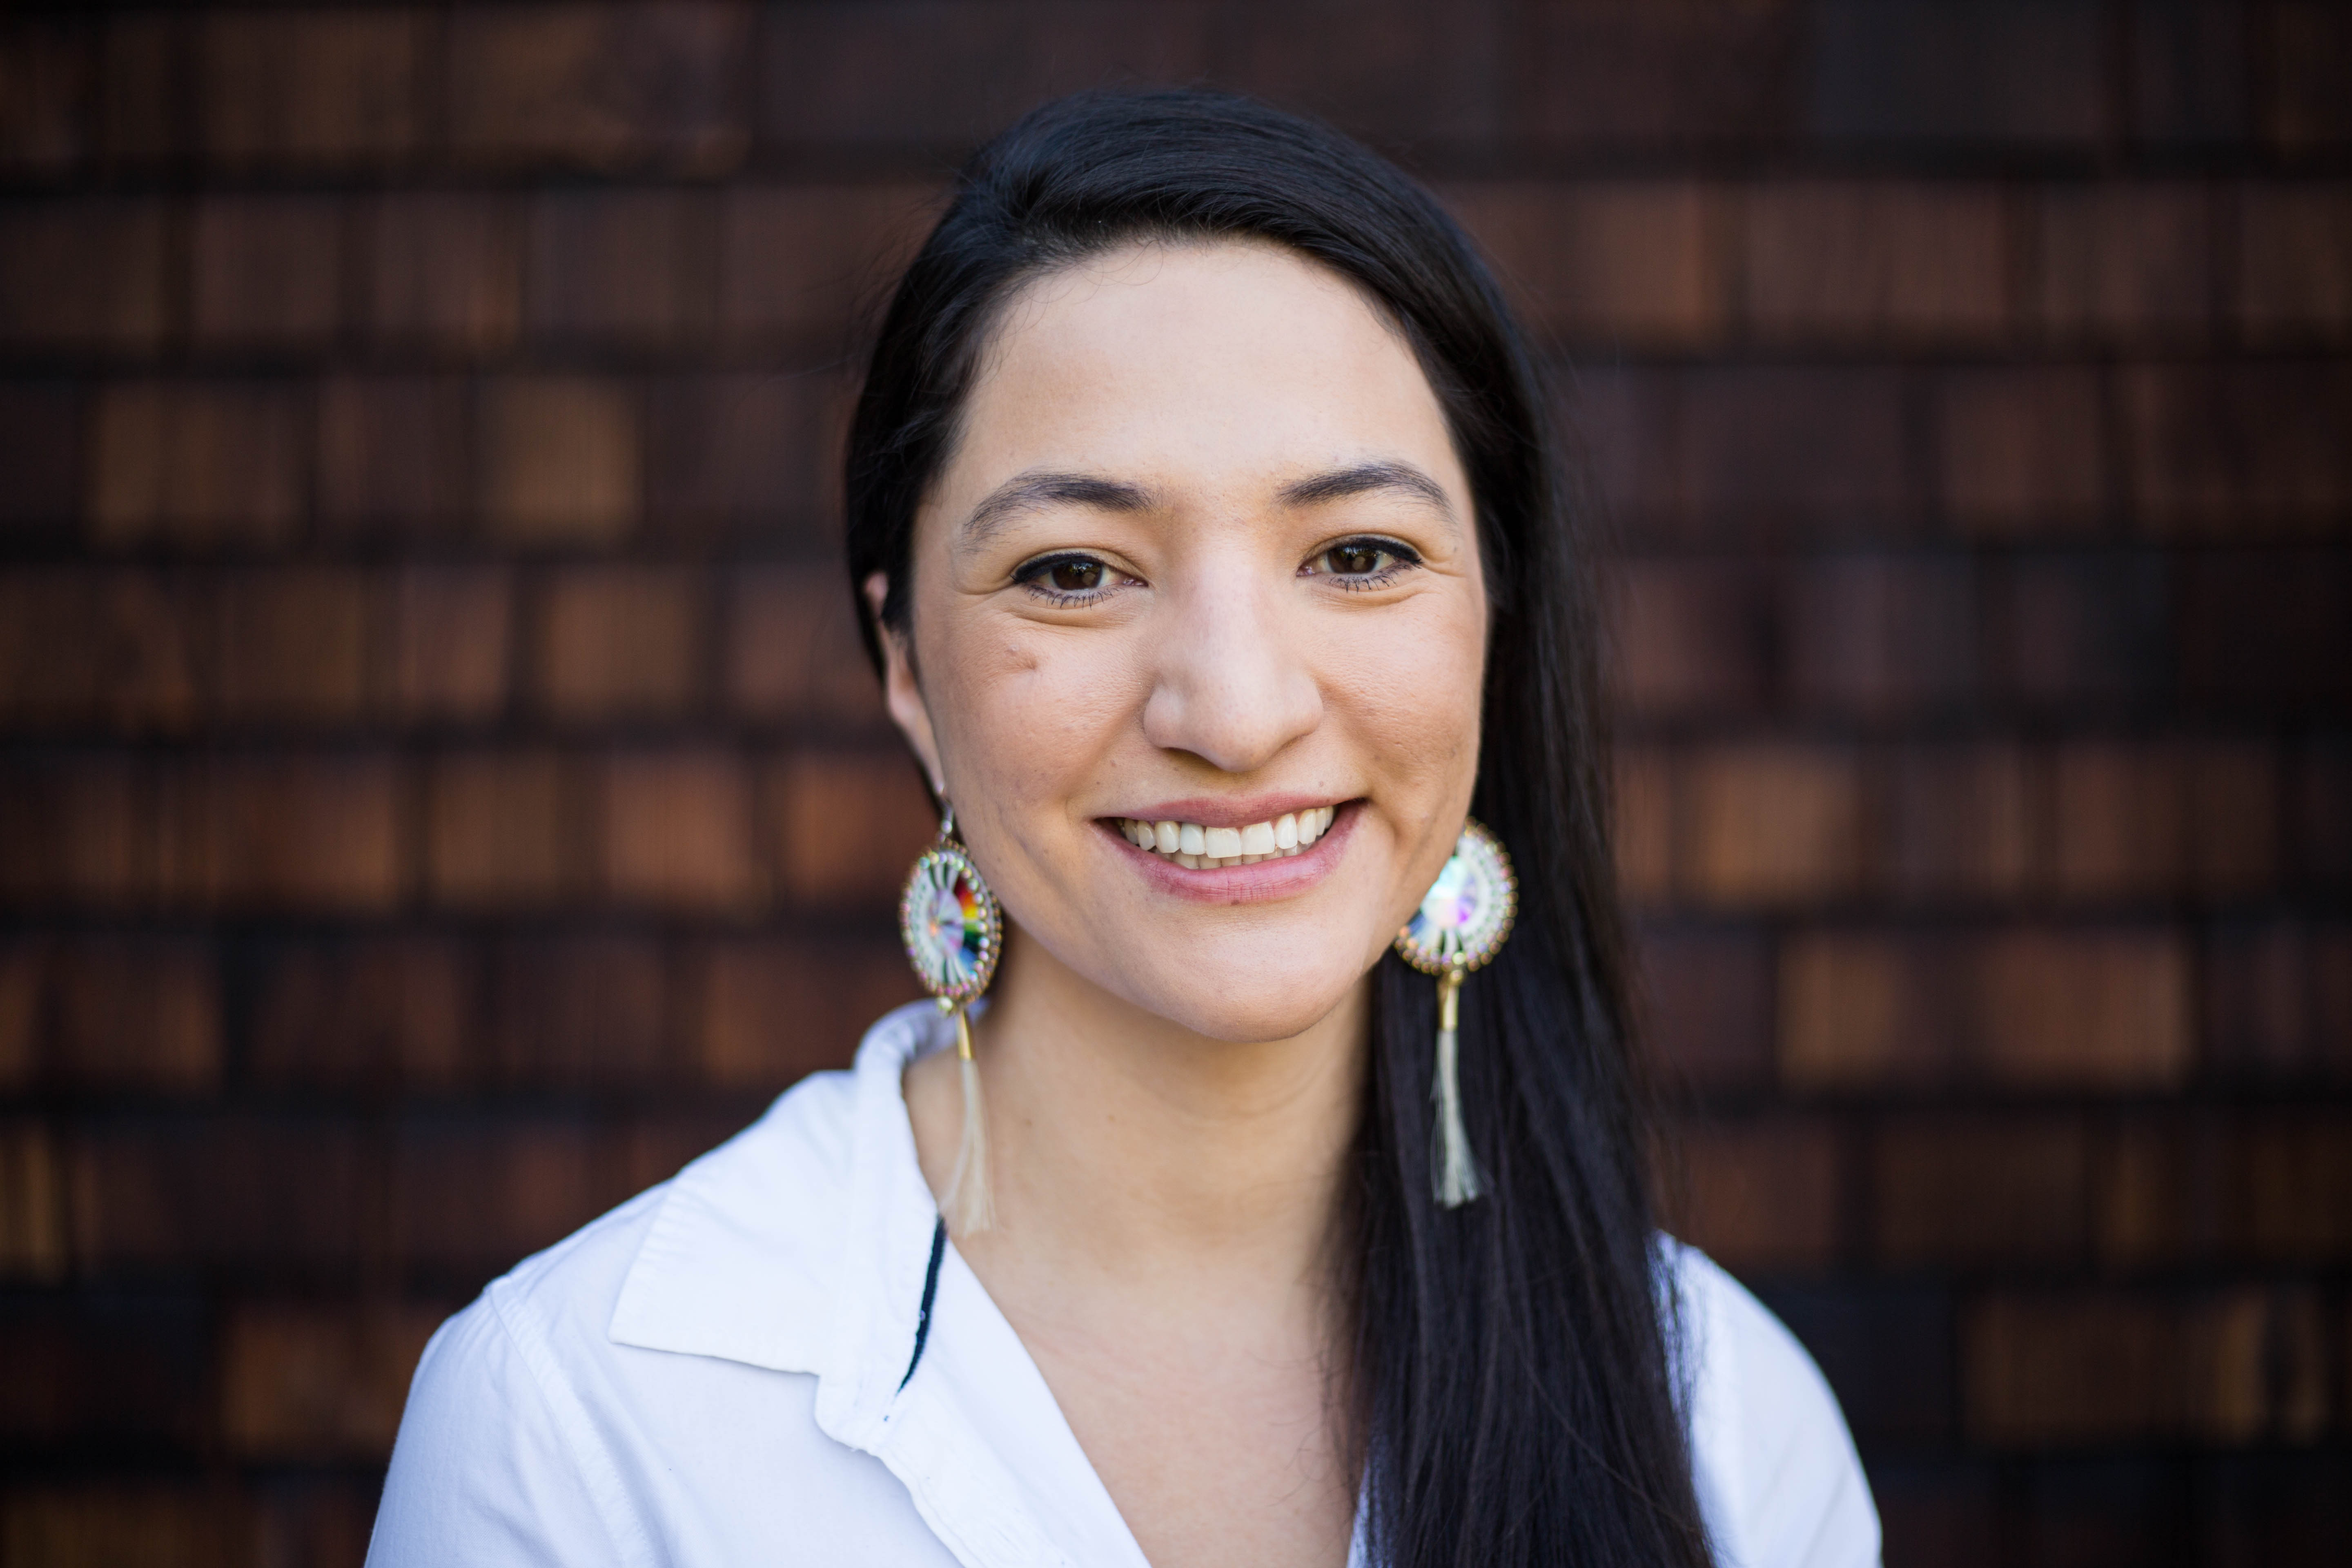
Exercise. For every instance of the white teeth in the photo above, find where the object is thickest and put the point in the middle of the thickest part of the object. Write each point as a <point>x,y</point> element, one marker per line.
<point>1197,848</point>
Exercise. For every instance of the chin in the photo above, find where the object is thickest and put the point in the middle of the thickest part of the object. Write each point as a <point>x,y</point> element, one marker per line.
<point>1244,1013</point>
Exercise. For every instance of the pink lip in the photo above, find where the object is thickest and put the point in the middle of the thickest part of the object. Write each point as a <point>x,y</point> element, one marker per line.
<point>1225,811</point>
<point>1264,883</point>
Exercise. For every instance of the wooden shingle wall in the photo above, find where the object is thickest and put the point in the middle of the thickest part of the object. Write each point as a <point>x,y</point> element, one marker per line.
<point>440,792</point>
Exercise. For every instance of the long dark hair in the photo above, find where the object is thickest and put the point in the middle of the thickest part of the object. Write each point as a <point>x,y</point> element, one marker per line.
<point>1512,1377</point>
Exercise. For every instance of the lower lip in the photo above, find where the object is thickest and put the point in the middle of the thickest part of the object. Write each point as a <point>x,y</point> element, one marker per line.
<point>1284,877</point>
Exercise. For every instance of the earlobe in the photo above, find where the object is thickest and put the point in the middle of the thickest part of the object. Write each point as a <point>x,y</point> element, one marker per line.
<point>902,690</point>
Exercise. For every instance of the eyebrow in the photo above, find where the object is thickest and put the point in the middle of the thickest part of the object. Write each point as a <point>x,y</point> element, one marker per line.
<point>1025,493</point>
<point>1028,492</point>
<point>1364,478</point>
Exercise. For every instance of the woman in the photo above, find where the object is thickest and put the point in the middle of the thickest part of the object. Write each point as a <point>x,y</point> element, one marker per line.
<point>1214,549</point>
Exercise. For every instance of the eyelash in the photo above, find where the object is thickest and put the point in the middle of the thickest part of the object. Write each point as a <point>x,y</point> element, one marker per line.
<point>1404,558</point>
<point>1031,575</point>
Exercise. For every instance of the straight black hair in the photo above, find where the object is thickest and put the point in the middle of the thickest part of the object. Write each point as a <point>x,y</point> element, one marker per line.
<point>1513,1379</point>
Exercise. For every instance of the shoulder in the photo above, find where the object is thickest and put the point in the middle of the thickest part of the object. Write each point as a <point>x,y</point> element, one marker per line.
<point>757,1221</point>
<point>1775,1470</point>
<point>493,1462</point>
<point>525,1406</point>
<point>757,1225</point>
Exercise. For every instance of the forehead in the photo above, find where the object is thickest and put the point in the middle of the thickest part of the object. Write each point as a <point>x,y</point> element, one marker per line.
<point>1212,360</point>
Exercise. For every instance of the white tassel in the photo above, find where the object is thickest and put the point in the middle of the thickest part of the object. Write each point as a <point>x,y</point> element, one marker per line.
<point>969,1205</point>
<point>1456,1173</point>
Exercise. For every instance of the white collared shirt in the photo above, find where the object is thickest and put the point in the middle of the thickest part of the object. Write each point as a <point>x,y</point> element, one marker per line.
<point>776,1358</point>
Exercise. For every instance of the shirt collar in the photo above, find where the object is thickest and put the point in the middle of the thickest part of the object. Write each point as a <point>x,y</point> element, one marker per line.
<point>803,1245</point>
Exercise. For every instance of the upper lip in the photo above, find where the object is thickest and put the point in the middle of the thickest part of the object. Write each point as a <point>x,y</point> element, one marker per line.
<point>1225,811</point>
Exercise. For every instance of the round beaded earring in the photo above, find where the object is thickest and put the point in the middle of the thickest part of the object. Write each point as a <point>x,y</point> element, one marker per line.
<point>1461,924</point>
<point>954,933</point>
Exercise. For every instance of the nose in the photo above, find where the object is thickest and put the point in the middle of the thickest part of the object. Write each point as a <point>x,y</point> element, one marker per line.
<point>1231,680</point>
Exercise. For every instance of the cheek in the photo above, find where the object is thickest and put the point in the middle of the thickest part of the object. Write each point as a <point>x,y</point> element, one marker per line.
<point>1414,684</point>
<point>1026,713</point>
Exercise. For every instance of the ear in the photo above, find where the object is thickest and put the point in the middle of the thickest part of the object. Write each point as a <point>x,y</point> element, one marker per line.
<point>901,689</point>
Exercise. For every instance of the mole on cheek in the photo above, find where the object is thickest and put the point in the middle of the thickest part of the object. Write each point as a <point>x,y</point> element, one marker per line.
<point>1014,656</point>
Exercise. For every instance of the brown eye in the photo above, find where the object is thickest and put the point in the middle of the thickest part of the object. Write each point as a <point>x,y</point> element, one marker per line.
<point>1353,560</point>
<point>1076,576</point>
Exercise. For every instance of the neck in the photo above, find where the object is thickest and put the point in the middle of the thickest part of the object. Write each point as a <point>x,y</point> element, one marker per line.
<point>1124,1145</point>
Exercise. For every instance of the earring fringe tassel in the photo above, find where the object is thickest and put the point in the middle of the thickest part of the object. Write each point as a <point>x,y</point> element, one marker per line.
<point>969,1205</point>
<point>1456,1173</point>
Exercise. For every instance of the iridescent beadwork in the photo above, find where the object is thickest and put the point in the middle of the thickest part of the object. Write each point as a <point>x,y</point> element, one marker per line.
<point>953,929</point>
<point>1467,911</point>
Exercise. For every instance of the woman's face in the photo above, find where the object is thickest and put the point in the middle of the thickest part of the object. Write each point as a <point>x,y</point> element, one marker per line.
<point>1202,570</point>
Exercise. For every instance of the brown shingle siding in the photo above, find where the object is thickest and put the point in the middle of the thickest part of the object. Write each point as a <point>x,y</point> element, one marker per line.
<point>442,789</point>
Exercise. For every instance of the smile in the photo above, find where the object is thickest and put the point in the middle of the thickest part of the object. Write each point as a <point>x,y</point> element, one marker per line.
<point>1200,848</point>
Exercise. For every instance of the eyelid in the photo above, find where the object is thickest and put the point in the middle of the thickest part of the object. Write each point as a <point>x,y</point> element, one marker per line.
<point>1405,554</point>
<point>1032,574</point>
<point>1053,558</point>
<point>1402,558</point>
<point>1030,570</point>
<point>1387,541</point>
